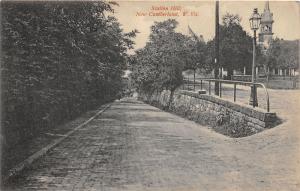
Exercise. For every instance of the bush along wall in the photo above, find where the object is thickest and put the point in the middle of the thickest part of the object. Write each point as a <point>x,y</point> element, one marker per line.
<point>223,116</point>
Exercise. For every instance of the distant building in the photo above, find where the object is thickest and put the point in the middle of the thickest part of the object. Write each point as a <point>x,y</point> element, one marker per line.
<point>265,35</point>
<point>265,39</point>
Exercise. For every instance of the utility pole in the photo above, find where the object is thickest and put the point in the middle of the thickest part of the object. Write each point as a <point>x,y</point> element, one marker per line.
<point>216,69</point>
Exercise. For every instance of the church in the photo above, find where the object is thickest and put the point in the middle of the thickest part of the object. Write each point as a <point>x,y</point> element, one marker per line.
<point>265,35</point>
<point>265,39</point>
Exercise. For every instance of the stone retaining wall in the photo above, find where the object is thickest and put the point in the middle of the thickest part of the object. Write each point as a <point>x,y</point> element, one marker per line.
<point>223,116</point>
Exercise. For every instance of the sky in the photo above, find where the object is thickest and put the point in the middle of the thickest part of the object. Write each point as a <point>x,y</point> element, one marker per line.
<point>200,16</point>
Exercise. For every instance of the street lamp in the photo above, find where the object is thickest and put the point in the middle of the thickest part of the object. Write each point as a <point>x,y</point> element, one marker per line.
<point>254,24</point>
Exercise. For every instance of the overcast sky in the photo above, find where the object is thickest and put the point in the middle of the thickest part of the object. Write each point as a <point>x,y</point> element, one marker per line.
<point>286,16</point>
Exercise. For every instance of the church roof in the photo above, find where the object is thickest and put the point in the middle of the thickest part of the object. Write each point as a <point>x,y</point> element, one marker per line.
<point>267,16</point>
<point>267,7</point>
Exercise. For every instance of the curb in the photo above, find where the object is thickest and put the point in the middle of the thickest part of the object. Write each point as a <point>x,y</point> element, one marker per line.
<point>27,162</point>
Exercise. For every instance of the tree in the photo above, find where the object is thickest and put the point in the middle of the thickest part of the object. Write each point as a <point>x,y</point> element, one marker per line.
<point>196,53</point>
<point>159,64</point>
<point>235,45</point>
<point>282,54</point>
<point>59,59</point>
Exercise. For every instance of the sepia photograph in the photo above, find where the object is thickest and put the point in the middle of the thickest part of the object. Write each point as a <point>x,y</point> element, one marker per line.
<point>150,95</point>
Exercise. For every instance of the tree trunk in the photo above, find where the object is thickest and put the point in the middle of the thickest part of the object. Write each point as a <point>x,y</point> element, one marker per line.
<point>268,74</point>
<point>194,79</point>
<point>229,73</point>
<point>171,98</point>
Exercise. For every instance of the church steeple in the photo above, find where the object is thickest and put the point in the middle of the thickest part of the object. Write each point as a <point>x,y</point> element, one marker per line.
<point>267,16</point>
<point>266,31</point>
<point>267,7</point>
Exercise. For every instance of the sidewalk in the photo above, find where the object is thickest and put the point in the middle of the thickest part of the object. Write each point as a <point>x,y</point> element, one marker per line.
<point>26,149</point>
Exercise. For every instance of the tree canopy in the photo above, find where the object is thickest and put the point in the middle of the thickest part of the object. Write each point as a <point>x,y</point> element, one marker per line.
<point>235,45</point>
<point>197,53</point>
<point>160,63</point>
<point>283,54</point>
<point>59,58</point>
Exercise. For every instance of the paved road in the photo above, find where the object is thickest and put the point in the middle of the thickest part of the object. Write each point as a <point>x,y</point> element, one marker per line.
<point>134,146</point>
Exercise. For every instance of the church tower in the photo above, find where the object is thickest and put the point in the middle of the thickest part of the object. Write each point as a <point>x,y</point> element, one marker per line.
<point>265,34</point>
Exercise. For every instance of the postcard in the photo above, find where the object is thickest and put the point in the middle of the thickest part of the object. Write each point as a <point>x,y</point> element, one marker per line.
<point>129,95</point>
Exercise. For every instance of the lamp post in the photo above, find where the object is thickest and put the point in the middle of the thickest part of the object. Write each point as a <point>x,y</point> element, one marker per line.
<point>254,24</point>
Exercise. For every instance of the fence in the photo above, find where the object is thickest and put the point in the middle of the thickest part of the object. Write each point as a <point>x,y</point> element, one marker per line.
<point>221,88</point>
